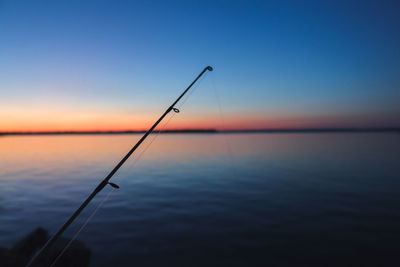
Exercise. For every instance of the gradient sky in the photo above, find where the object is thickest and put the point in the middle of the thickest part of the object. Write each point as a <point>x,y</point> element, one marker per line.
<point>108,65</point>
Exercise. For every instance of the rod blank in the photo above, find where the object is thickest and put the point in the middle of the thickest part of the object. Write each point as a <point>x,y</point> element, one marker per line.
<point>106,180</point>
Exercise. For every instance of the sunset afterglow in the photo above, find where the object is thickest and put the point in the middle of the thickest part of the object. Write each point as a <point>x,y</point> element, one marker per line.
<point>83,66</point>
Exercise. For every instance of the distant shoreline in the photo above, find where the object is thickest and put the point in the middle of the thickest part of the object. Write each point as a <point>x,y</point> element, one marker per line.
<point>190,131</point>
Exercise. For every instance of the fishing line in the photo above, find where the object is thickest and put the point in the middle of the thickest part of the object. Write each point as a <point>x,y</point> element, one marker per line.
<point>223,123</point>
<point>90,217</point>
<point>161,129</point>
<point>82,227</point>
<point>132,164</point>
<point>197,85</point>
<point>106,180</point>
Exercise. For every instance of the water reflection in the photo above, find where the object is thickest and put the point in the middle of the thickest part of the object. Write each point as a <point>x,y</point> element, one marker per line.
<point>192,199</point>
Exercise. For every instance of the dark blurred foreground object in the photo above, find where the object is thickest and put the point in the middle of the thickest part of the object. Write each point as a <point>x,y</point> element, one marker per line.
<point>19,255</point>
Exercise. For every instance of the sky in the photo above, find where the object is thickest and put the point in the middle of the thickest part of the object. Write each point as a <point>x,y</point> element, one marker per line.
<point>117,65</point>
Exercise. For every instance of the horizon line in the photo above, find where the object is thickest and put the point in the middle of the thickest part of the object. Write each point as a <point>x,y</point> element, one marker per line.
<point>265,130</point>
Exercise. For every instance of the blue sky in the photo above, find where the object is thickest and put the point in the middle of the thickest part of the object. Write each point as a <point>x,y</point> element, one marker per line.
<point>277,63</point>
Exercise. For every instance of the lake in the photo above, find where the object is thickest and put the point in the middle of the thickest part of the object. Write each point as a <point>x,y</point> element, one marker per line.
<point>293,199</point>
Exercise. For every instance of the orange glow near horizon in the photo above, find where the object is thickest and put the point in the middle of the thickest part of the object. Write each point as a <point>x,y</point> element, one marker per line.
<point>63,120</point>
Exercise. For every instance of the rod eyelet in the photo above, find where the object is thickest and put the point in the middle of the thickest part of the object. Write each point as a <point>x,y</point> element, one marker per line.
<point>175,110</point>
<point>114,185</point>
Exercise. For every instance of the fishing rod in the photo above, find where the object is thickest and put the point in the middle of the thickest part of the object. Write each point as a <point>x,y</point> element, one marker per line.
<point>106,180</point>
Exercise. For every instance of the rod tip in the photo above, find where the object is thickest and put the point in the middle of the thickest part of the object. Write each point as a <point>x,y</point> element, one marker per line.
<point>209,68</point>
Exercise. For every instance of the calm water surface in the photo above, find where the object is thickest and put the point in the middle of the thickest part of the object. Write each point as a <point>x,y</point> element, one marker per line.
<point>212,199</point>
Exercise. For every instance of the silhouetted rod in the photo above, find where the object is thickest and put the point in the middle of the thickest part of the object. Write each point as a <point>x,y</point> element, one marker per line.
<point>106,180</point>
